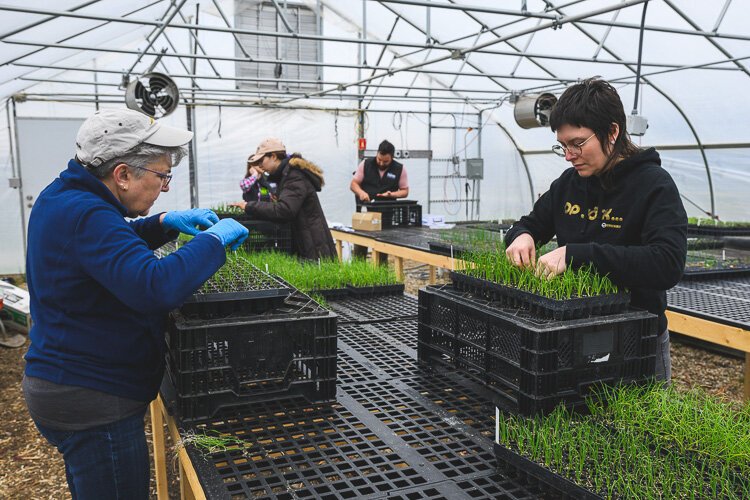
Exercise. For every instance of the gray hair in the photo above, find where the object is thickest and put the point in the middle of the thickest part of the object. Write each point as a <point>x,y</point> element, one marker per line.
<point>139,157</point>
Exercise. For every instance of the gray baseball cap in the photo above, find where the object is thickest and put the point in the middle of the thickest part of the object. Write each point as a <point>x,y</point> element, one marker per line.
<point>109,133</point>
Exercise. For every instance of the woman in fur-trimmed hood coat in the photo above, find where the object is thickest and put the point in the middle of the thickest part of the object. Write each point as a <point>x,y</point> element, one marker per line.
<point>299,182</point>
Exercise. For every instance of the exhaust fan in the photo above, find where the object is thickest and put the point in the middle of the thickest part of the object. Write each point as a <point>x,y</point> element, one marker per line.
<point>154,94</point>
<point>533,110</point>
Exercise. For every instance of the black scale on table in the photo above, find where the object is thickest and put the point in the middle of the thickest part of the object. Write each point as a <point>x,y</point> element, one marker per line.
<point>395,431</point>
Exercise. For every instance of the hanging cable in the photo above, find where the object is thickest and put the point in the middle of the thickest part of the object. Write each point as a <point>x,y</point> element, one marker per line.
<point>336,126</point>
<point>640,52</point>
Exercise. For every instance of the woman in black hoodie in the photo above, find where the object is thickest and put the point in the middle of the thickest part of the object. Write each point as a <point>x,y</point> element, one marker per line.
<point>295,199</point>
<point>615,208</point>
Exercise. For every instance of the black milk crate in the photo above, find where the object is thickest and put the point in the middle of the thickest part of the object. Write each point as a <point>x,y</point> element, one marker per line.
<point>219,363</point>
<point>238,215</point>
<point>531,363</point>
<point>550,484</point>
<point>573,308</point>
<point>249,290</point>
<point>264,235</point>
<point>397,213</point>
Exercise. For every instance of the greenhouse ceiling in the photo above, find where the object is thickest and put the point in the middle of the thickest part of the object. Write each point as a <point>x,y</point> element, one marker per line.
<point>691,59</point>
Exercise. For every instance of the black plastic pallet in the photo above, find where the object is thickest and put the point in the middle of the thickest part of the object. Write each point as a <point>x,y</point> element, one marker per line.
<point>533,363</point>
<point>376,309</point>
<point>725,301</point>
<point>398,433</point>
<point>373,443</point>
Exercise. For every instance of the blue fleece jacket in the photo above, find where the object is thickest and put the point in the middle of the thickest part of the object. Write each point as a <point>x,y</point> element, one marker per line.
<point>99,296</point>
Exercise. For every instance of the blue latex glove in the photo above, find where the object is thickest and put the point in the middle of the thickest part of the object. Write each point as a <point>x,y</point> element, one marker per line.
<point>229,232</point>
<point>190,221</point>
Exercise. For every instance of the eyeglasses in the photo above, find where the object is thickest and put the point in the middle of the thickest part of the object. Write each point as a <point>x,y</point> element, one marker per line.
<point>574,149</point>
<point>165,178</point>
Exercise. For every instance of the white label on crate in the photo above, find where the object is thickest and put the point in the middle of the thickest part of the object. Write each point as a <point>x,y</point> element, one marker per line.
<point>602,359</point>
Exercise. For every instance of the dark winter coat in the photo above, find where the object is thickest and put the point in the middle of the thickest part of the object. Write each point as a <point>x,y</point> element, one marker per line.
<point>631,225</point>
<point>299,182</point>
<point>99,296</point>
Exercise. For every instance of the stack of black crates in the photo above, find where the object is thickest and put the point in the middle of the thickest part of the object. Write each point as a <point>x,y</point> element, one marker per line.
<point>247,337</point>
<point>533,361</point>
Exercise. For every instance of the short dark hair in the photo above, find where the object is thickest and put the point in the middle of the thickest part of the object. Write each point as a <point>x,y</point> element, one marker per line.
<point>386,148</point>
<point>595,104</point>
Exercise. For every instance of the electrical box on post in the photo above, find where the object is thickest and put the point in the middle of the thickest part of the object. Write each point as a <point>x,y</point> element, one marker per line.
<point>475,168</point>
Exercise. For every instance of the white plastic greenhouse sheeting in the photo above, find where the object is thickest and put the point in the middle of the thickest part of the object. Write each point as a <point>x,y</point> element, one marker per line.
<point>222,158</point>
<point>504,192</point>
<point>714,101</point>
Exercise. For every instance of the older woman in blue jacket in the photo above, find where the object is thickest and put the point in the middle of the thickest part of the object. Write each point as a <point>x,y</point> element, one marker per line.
<point>99,296</point>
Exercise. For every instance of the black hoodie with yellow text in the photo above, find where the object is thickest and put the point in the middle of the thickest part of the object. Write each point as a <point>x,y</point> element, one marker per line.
<point>629,223</point>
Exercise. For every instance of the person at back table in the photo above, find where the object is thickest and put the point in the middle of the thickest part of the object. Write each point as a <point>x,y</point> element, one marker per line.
<point>380,178</point>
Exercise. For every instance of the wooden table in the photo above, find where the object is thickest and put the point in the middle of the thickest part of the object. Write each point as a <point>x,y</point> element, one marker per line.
<point>190,486</point>
<point>382,249</point>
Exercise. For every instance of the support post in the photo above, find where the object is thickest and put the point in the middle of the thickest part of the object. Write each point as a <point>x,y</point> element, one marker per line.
<point>160,462</point>
<point>399,267</point>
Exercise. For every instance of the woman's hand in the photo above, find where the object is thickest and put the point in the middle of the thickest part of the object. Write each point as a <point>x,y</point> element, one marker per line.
<point>522,252</point>
<point>190,222</point>
<point>239,204</point>
<point>254,171</point>
<point>552,263</point>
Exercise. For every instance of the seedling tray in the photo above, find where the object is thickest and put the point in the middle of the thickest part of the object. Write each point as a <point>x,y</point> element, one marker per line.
<point>533,364</point>
<point>332,293</point>
<point>711,230</point>
<point>705,243</point>
<point>551,485</point>
<point>446,249</point>
<point>574,308</point>
<point>700,273</point>
<point>363,292</point>
<point>249,291</point>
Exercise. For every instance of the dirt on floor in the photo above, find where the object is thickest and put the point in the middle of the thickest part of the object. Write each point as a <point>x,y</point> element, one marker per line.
<point>31,468</point>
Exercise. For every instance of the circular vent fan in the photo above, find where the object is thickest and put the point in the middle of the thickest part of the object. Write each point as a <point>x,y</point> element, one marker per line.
<point>154,94</point>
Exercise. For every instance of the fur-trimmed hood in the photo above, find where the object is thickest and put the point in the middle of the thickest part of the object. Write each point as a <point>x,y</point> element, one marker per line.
<point>314,172</point>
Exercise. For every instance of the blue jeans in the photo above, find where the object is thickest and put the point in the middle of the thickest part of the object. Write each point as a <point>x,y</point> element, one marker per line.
<point>109,461</point>
<point>663,359</point>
